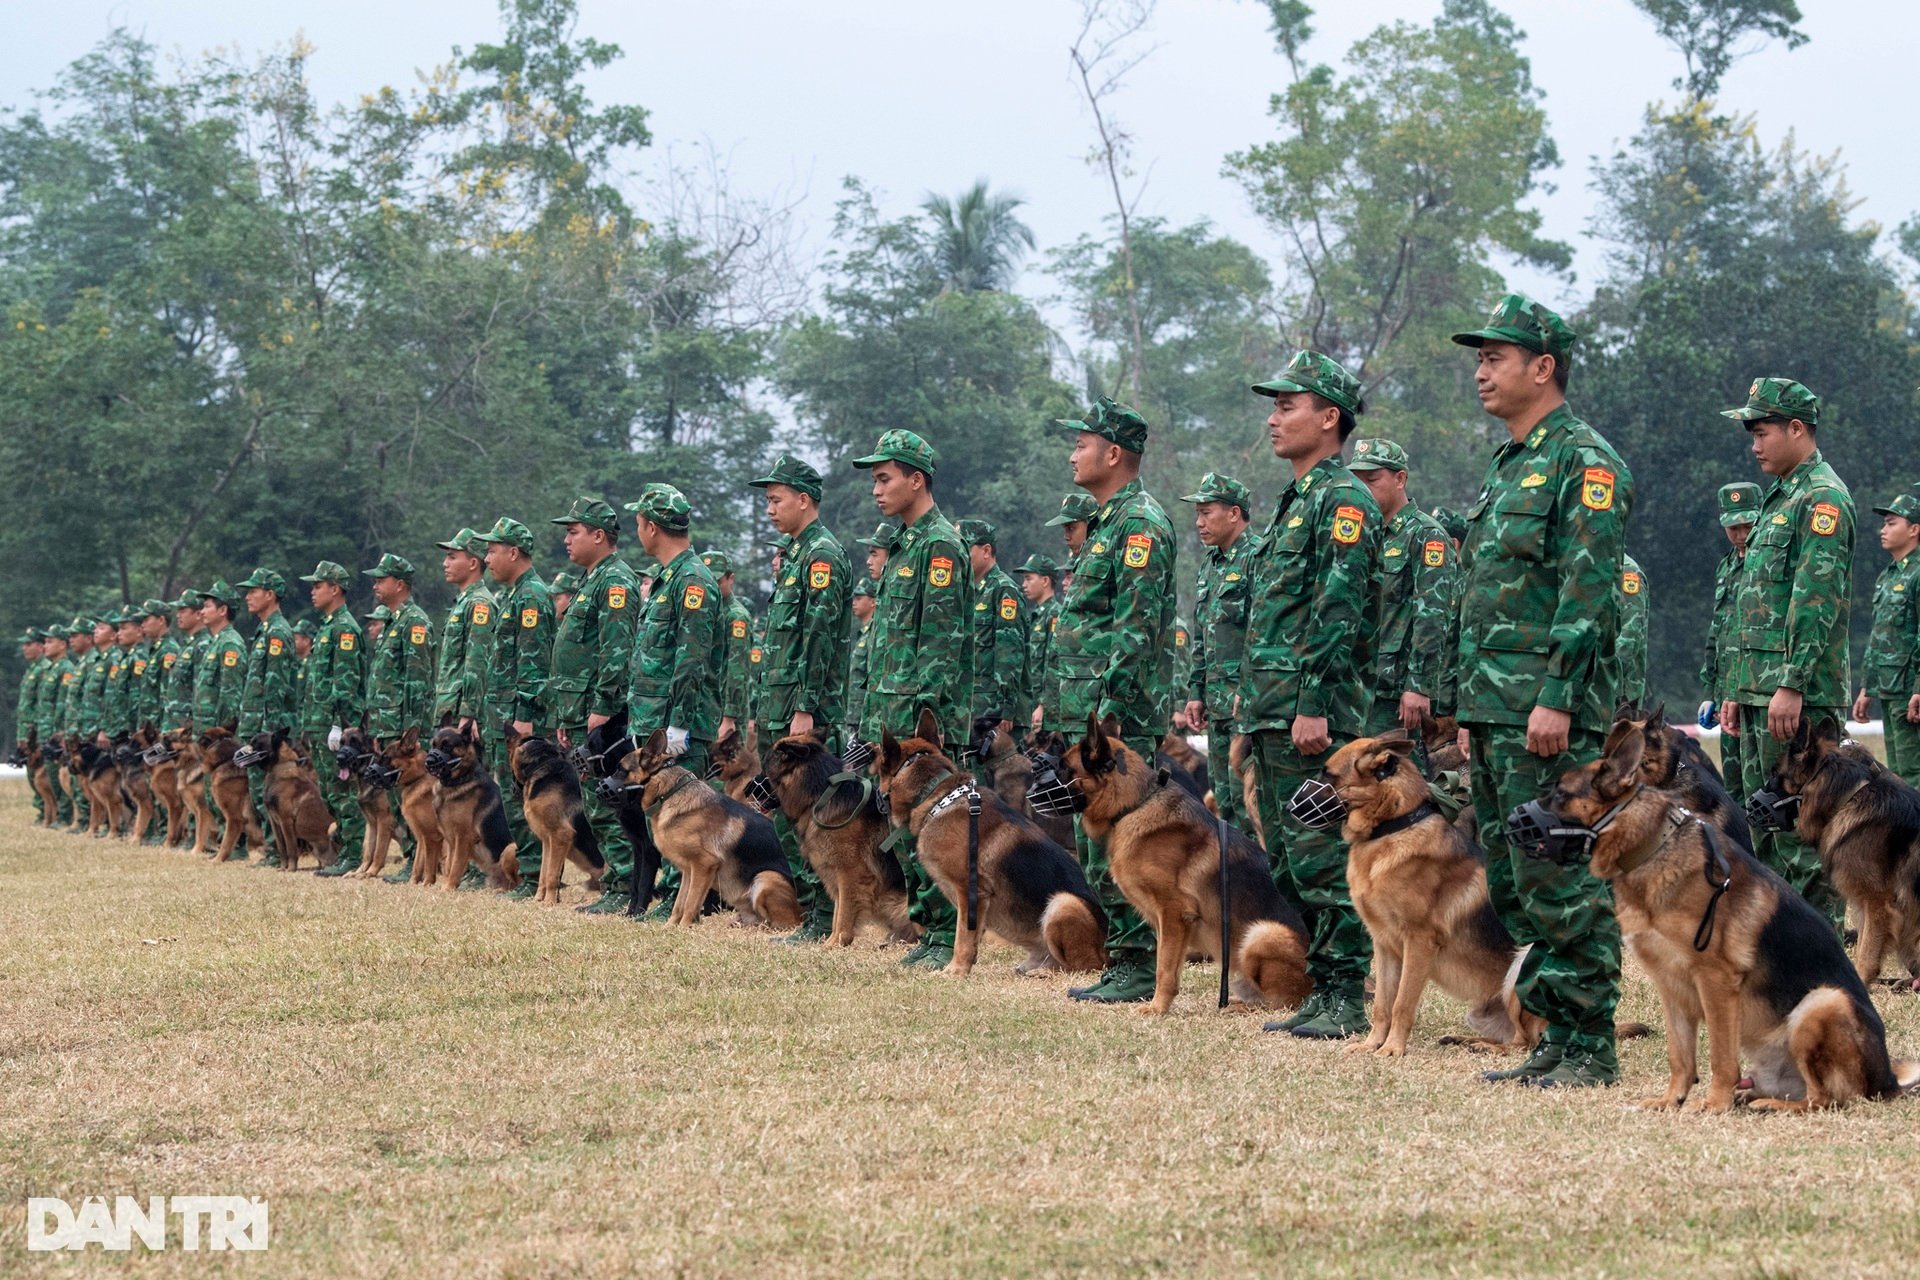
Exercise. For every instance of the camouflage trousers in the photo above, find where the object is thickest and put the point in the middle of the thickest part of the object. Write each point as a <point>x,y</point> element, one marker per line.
<point>926,905</point>
<point>342,797</point>
<point>1571,976</point>
<point>806,881</point>
<point>1796,862</point>
<point>614,846</point>
<point>1730,770</point>
<point>1903,741</point>
<point>1310,867</point>
<point>493,749</point>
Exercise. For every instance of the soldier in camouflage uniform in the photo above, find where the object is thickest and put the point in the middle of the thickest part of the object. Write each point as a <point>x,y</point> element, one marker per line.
<point>222,677</point>
<point>1630,602</point>
<point>736,643</point>
<point>564,587</point>
<point>1537,633</point>
<point>878,547</point>
<point>587,687</point>
<point>1889,671</point>
<point>521,659</point>
<point>999,633</point>
<point>1113,651</point>
<point>1303,679</point>
<point>46,716</point>
<point>920,649</point>
<point>864,600</point>
<point>153,669</point>
<point>116,699</point>
<point>1414,599</point>
<point>269,701</point>
<point>1739,508</point>
<point>803,670</point>
<point>400,671</point>
<point>1076,509</point>
<point>1182,667</point>
<point>1040,583</point>
<point>191,643</point>
<point>33,649</point>
<point>1221,513</point>
<point>1790,660</point>
<point>334,701</point>
<point>466,637</point>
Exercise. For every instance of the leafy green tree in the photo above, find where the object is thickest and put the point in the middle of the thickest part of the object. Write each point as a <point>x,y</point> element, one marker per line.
<point>1712,35</point>
<point>977,238</point>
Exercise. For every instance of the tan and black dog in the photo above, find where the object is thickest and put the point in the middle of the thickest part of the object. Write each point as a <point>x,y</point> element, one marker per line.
<point>1727,943</point>
<point>1676,764</point>
<point>417,791</point>
<point>554,808</point>
<point>163,779</point>
<point>37,775</point>
<point>736,761</point>
<point>1865,821</point>
<point>97,769</point>
<point>718,843</point>
<point>1420,886</point>
<point>228,781</point>
<point>473,822</point>
<point>357,760</point>
<point>295,808</point>
<point>193,788</point>
<point>1163,847</point>
<point>1026,888</point>
<point>839,829</point>
<point>136,788</point>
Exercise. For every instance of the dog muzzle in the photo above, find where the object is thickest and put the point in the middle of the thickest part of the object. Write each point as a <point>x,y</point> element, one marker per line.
<point>760,793</point>
<point>352,760</point>
<point>441,763</point>
<point>713,770</point>
<point>1768,810</point>
<point>250,757</point>
<point>17,758</point>
<point>124,754</point>
<point>378,773</point>
<point>1539,832</point>
<point>1051,794</point>
<point>1316,805</point>
<point>857,756</point>
<point>616,790</point>
<point>158,754</point>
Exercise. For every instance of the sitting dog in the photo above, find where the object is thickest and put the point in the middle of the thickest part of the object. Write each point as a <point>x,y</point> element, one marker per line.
<point>295,808</point>
<point>228,782</point>
<point>554,808</point>
<point>1675,763</point>
<point>473,822</point>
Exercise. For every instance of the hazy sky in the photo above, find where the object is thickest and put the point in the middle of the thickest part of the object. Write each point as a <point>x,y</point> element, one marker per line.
<point>915,96</point>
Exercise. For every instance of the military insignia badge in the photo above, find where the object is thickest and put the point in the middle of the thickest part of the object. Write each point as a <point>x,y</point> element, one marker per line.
<point>753,654</point>
<point>1596,489</point>
<point>979,606</point>
<point>1008,609</point>
<point>167,663</point>
<point>1232,577</point>
<point>1139,548</point>
<point>530,618</point>
<point>1097,548</point>
<point>819,574</point>
<point>229,658</point>
<point>1630,583</point>
<point>481,614</point>
<point>616,597</point>
<point>140,667</point>
<point>275,645</point>
<point>1179,638</point>
<point>739,628</point>
<point>1826,518</point>
<point>940,572</point>
<point>694,597</point>
<point>904,571</point>
<point>1434,554</point>
<point>345,642</point>
<point>417,634</point>
<point>1296,522</point>
<point>1391,553</point>
<point>1346,525</point>
<point>1533,481</point>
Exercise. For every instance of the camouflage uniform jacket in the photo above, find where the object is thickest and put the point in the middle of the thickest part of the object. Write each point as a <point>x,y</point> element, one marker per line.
<point>116,696</point>
<point>856,699</point>
<point>1538,570</point>
<point>674,672</point>
<point>28,697</point>
<point>185,670</point>
<point>1000,648</point>
<point>466,652</point>
<point>1311,622</point>
<point>522,654</point>
<point>736,679</point>
<point>920,645</point>
<point>58,679</point>
<point>592,645</point>
<point>1417,572</point>
<point>93,690</point>
<point>400,674</point>
<point>1042,683</point>
<point>1723,631</point>
<point>1112,647</point>
<point>1220,605</point>
<point>336,674</point>
<point>804,655</point>
<point>1888,670</point>
<point>221,679</point>
<point>1796,591</point>
<point>1182,656</point>
<point>269,699</point>
<point>1631,650</point>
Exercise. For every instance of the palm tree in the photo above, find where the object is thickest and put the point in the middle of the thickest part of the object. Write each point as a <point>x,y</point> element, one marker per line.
<point>977,240</point>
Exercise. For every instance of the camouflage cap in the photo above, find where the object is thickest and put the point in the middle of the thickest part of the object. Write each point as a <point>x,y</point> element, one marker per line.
<point>665,505</point>
<point>305,627</point>
<point>1376,454</point>
<point>155,608</point>
<point>1777,398</point>
<point>976,533</point>
<point>1739,503</point>
<point>1321,375</point>
<point>328,571</point>
<point>794,473</point>
<point>564,584</point>
<point>116,619</point>
<point>80,626</point>
<point>719,563</point>
<point>379,613</point>
<point>864,587</point>
<point>1075,508</point>
<point>30,636</point>
<point>391,566</point>
<point>1216,486</point>
<point>222,593</point>
<point>885,538</point>
<point>468,541</point>
<point>265,578</point>
<point>904,447</point>
<point>1113,422</point>
<point>1038,563</point>
<point>1525,323</point>
<point>1906,506</point>
<point>190,598</point>
<point>1452,521</point>
<point>510,531</point>
<point>592,513</point>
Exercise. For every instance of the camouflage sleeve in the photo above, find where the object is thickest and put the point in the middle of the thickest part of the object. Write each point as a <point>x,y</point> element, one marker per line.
<point>944,631</point>
<point>449,669</point>
<point>1588,539</point>
<point>1435,569</point>
<point>482,627</point>
<point>1141,611</point>
<point>697,642</point>
<point>416,675</point>
<point>347,697</point>
<point>1633,643</point>
<point>1006,683</point>
<point>1346,554</point>
<point>1710,658</point>
<point>733,680</point>
<point>533,661</point>
<point>1822,584</point>
<point>1196,690</point>
<point>607,681</point>
<point>826,606</point>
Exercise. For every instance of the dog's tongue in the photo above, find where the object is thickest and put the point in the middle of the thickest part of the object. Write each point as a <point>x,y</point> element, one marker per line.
<point>346,775</point>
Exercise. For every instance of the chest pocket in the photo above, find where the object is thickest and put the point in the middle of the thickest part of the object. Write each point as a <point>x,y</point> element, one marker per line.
<point>1518,523</point>
<point>1770,551</point>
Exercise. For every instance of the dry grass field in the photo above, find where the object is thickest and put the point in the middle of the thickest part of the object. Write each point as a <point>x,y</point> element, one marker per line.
<point>430,1085</point>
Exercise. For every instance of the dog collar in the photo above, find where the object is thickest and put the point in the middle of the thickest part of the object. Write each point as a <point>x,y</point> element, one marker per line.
<point>679,784</point>
<point>1678,816</point>
<point>948,800</point>
<point>1425,810</point>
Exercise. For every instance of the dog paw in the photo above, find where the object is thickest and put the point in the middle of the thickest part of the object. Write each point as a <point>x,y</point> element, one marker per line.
<point>1712,1104</point>
<point>1391,1050</point>
<point>1661,1103</point>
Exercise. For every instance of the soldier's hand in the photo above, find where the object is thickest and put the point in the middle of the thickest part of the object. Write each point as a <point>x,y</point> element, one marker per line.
<point>1194,711</point>
<point>1414,709</point>
<point>1913,709</point>
<point>1040,712</point>
<point>802,722</point>
<point>1310,735</point>
<point>560,736</point>
<point>594,722</point>
<point>726,725</point>
<point>1860,706</point>
<point>1547,730</point>
<point>1729,717</point>
<point>523,727</point>
<point>1783,713</point>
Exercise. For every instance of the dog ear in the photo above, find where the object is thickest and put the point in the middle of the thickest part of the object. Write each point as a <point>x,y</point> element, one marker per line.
<point>1622,763</point>
<point>1096,750</point>
<point>656,746</point>
<point>1657,718</point>
<point>511,734</point>
<point>1622,711</point>
<point>1622,729</point>
<point>410,739</point>
<point>1828,732</point>
<point>1110,726</point>
<point>889,754</point>
<point>726,743</point>
<point>929,727</point>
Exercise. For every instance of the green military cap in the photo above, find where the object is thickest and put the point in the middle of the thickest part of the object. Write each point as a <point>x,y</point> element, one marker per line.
<point>1376,454</point>
<point>80,626</point>
<point>885,537</point>
<point>222,592</point>
<point>266,578</point>
<point>719,563</point>
<point>1044,564</point>
<point>466,540</point>
<point>510,531</point>
<point>189,599</point>
<point>1075,507</point>
<point>1739,503</point>
<point>976,533</point>
<point>590,512</point>
<point>564,583</point>
<point>30,636</point>
<point>391,566</point>
<point>329,571</point>
<point>904,447</point>
<point>156,608</point>
<point>1113,422</point>
<point>1452,521</point>
<point>305,627</point>
<point>779,542</point>
<point>1777,398</point>
<point>1218,487</point>
<point>665,505</point>
<point>1322,375</point>
<point>379,613</point>
<point>1906,506</point>
<point>864,587</point>
<point>795,474</point>
<point>114,619</point>
<point>1525,323</point>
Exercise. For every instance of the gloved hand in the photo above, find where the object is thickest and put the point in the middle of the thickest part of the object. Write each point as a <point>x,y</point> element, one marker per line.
<point>1709,714</point>
<point>333,737</point>
<point>676,741</point>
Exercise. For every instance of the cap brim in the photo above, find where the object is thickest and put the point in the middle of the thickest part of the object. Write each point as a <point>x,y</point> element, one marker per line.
<point>1061,521</point>
<point>1745,413</point>
<point>1279,387</point>
<point>873,460</point>
<point>1372,464</point>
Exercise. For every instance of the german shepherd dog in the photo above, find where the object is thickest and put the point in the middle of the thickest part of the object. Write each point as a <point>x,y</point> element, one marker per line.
<point>193,788</point>
<point>295,809</point>
<point>98,771</point>
<point>1420,886</point>
<point>357,760</point>
<point>1024,887</point>
<point>719,843</point>
<point>136,789</point>
<point>1726,942</point>
<point>1164,850</point>
<point>407,760</point>
<point>1055,826</point>
<point>839,829</point>
<point>1675,763</point>
<point>37,765</point>
<point>473,822</point>
<point>229,784</point>
<point>554,808</point>
<point>161,755</point>
<point>736,762</point>
<point>1865,821</point>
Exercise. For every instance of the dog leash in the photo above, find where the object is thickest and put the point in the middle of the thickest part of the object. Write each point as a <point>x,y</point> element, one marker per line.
<point>1703,936</point>
<point>973,859</point>
<point>1226,913</point>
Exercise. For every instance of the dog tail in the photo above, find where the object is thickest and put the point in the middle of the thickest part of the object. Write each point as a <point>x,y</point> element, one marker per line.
<point>1906,1073</point>
<point>774,900</point>
<point>586,842</point>
<point>1075,938</point>
<point>1272,958</point>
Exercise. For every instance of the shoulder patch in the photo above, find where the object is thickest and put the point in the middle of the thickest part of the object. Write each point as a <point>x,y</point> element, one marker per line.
<point>1826,519</point>
<point>694,597</point>
<point>276,646</point>
<point>819,574</point>
<point>754,654</point>
<point>739,628</point>
<point>1139,549</point>
<point>530,617</point>
<point>1434,553</point>
<point>1630,583</point>
<point>1596,489</point>
<point>167,662</point>
<point>139,666</point>
<point>417,634</point>
<point>230,658</point>
<point>1009,609</point>
<point>345,643</point>
<point>616,597</point>
<point>482,613</point>
<point>940,572</point>
<point>1347,523</point>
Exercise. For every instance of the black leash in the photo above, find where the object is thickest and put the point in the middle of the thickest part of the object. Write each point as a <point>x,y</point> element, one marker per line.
<point>1226,913</point>
<point>1425,810</point>
<point>1716,864</point>
<point>973,858</point>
